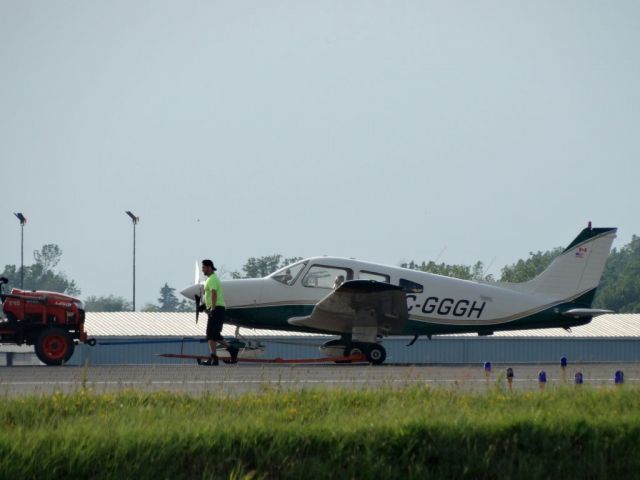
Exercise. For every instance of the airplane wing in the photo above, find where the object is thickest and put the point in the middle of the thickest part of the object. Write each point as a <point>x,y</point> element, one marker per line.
<point>359,303</point>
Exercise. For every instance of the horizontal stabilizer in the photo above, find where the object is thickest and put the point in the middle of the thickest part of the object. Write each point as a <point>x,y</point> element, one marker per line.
<point>585,312</point>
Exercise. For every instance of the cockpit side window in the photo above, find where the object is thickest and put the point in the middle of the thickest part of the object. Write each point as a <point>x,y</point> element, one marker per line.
<point>378,277</point>
<point>322,276</point>
<point>288,274</point>
<point>410,287</point>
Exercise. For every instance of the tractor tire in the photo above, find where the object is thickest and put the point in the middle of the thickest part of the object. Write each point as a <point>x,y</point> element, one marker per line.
<point>376,354</point>
<point>54,346</point>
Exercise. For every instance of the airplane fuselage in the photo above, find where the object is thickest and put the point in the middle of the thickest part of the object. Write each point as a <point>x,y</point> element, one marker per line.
<point>435,304</point>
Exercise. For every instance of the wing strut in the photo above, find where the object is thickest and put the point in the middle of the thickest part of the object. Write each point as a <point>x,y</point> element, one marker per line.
<point>413,340</point>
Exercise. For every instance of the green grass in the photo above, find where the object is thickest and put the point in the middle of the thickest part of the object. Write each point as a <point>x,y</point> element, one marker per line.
<point>414,432</point>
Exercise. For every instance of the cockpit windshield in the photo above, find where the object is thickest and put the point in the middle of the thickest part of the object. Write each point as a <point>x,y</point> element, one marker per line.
<point>288,274</point>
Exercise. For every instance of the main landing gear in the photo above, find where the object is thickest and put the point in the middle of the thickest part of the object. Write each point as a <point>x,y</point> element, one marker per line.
<point>374,352</point>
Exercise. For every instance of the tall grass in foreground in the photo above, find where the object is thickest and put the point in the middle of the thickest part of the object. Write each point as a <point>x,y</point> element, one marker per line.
<point>414,432</point>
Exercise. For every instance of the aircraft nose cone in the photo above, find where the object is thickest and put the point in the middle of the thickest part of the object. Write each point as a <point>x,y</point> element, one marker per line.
<point>191,291</point>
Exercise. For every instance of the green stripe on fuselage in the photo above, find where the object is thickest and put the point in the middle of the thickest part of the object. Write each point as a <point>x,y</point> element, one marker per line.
<point>269,317</point>
<point>545,319</point>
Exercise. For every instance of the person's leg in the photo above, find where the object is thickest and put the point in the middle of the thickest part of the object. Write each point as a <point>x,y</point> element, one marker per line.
<point>219,314</point>
<point>211,335</point>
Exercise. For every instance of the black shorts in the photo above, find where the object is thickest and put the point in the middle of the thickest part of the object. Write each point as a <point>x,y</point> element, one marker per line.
<point>214,323</point>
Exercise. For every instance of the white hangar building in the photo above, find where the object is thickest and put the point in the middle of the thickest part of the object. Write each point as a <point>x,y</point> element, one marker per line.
<point>138,338</point>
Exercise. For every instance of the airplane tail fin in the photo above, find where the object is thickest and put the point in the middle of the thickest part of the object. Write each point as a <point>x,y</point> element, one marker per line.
<point>577,270</point>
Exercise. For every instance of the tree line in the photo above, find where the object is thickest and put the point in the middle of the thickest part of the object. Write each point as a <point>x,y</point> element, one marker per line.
<point>619,288</point>
<point>42,275</point>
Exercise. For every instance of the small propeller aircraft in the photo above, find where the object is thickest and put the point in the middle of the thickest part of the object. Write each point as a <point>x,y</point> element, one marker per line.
<point>364,302</point>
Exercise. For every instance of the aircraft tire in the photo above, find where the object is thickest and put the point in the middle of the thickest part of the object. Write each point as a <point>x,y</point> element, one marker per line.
<point>351,349</point>
<point>354,350</point>
<point>376,354</point>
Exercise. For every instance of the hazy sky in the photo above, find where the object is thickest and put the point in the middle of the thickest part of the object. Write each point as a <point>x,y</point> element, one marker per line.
<point>382,130</point>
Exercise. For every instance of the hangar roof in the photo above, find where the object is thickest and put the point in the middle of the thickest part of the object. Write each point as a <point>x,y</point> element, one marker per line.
<point>164,324</point>
<point>618,325</point>
<point>173,324</point>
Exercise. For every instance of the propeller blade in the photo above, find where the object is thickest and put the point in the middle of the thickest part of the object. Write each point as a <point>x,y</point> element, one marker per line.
<point>196,278</point>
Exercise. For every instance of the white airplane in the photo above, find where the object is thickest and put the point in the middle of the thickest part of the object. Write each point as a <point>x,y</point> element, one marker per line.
<point>364,302</point>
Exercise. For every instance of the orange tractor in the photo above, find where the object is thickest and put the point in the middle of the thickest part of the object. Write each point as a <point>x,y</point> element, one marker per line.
<point>52,322</point>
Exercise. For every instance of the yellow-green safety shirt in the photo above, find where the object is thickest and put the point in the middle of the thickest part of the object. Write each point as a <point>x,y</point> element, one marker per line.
<point>213,283</point>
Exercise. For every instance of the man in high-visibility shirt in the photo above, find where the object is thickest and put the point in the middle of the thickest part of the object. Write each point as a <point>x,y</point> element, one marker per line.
<point>215,307</point>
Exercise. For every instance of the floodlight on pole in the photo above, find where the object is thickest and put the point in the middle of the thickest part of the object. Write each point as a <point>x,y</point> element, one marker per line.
<point>135,221</point>
<point>23,220</point>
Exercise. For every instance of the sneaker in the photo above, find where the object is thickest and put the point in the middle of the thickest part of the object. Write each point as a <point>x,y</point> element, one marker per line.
<point>233,352</point>
<point>211,362</point>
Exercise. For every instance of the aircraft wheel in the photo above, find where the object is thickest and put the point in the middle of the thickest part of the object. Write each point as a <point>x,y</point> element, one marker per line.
<point>349,350</point>
<point>376,354</point>
<point>346,352</point>
<point>354,350</point>
<point>54,346</point>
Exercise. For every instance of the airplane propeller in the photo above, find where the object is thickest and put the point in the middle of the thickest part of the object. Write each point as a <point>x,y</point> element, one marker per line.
<point>196,280</point>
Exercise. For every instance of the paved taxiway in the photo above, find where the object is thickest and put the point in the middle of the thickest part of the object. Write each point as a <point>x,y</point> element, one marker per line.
<point>236,379</point>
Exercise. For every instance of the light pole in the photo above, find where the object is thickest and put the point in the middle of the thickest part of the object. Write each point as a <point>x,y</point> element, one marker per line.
<point>23,220</point>
<point>135,221</point>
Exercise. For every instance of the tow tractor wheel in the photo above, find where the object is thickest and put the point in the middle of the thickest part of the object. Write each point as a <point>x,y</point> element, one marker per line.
<point>54,346</point>
<point>376,354</point>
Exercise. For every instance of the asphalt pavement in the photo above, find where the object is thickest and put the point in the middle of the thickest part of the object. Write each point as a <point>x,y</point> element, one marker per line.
<point>242,378</point>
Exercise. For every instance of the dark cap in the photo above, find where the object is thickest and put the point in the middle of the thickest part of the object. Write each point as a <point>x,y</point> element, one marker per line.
<point>208,263</point>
